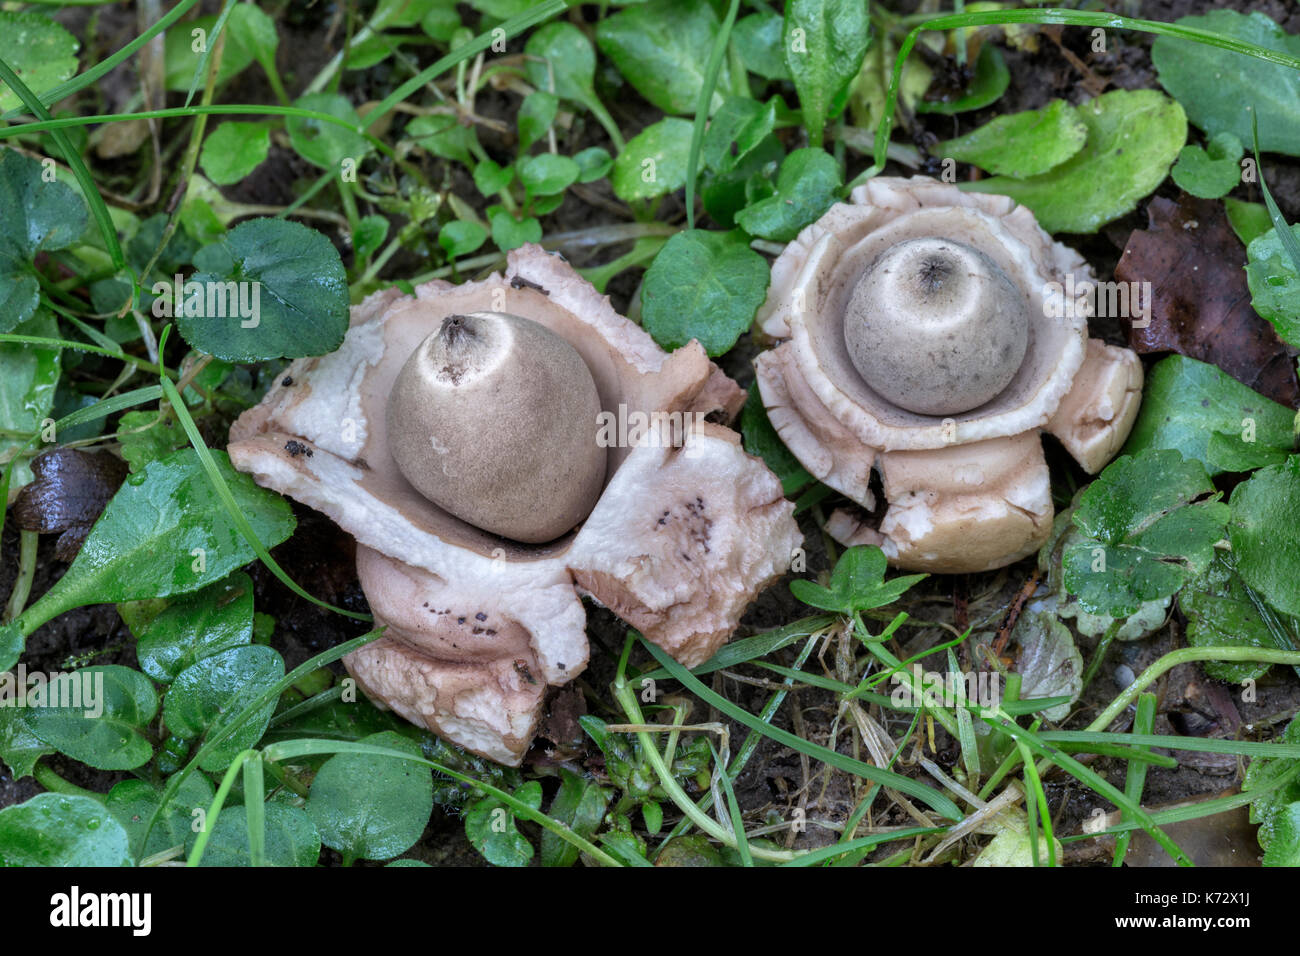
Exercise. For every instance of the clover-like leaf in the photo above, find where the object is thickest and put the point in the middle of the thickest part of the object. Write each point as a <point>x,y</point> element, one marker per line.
<point>1147,524</point>
<point>212,691</point>
<point>1212,171</point>
<point>196,626</point>
<point>369,806</point>
<point>322,143</point>
<point>490,827</point>
<point>234,150</point>
<point>270,289</point>
<point>35,216</point>
<point>807,185</point>
<point>703,285</point>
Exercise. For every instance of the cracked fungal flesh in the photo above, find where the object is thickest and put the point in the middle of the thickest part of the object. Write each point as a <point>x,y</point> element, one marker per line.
<point>926,334</point>
<point>678,540</point>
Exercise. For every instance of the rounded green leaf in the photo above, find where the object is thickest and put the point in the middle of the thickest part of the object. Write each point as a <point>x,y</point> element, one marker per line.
<point>1275,284</point>
<point>186,44</point>
<point>511,233</point>
<point>460,237</point>
<point>824,42</point>
<point>1210,172</point>
<point>369,806</point>
<point>654,161</point>
<point>40,51</point>
<point>561,61</point>
<point>661,47</point>
<point>758,39</point>
<point>209,693</point>
<point>133,802</point>
<point>807,185</point>
<point>197,626</point>
<point>594,163</point>
<point>291,288</point>
<point>322,143</point>
<point>57,829</point>
<point>547,174</point>
<point>234,150</point>
<point>1133,137</point>
<point>290,838</point>
<point>1265,533</point>
<point>1220,89</point>
<point>703,285</point>
<point>102,718</point>
<point>536,114</point>
<point>1021,145</point>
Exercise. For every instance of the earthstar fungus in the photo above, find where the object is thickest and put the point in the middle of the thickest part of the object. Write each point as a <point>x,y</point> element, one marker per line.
<point>675,537</point>
<point>932,335</point>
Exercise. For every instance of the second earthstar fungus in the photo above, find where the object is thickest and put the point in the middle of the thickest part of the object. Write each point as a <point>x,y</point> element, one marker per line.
<point>931,334</point>
<point>679,533</point>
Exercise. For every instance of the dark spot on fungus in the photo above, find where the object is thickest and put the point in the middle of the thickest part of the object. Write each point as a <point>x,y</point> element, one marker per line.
<point>480,616</point>
<point>519,282</point>
<point>296,448</point>
<point>287,381</point>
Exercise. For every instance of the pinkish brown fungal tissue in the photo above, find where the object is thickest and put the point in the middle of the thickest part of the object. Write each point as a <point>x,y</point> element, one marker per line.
<point>931,336</point>
<point>456,434</point>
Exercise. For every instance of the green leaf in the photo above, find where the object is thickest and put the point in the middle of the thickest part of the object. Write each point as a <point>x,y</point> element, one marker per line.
<point>443,136</point>
<point>580,805</point>
<point>292,290</point>
<point>594,163</point>
<point>987,86</point>
<point>762,440</point>
<point>490,827</point>
<point>1208,415</point>
<point>165,532</point>
<point>35,216</point>
<point>536,114</point>
<point>661,47</point>
<point>213,690</point>
<point>824,42</point>
<point>1144,531</point>
<point>561,61</point>
<point>57,829</point>
<point>705,286</point>
<point>102,722</point>
<point>1220,613</point>
<point>857,583</point>
<point>29,379</point>
<point>324,144</point>
<point>183,50</point>
<point>369,235</point>
<point>291,838</point>
<point>1220,89</point>
<point>491,177</point>
<point>654,161</point>
<point>1210,172</point>
<point>234,150</point>
<point>196,626</point>
<point>19,747</point>
<point>806,187</point>
<point>133,802</point>
<point>1275,284</point>
<point>369,806</point>
<point>147,436</point>
<point>1021,145</point>
<point>1265,533</point>
<point>1133,137</point>
<point>460,238</point>
<point>40,51</point>
<point>511,233</point>
<point>758,38</point>
<point>547,174</point>
<point>735,131</point>
<point>254,30</point>
<point>1249,219</point>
